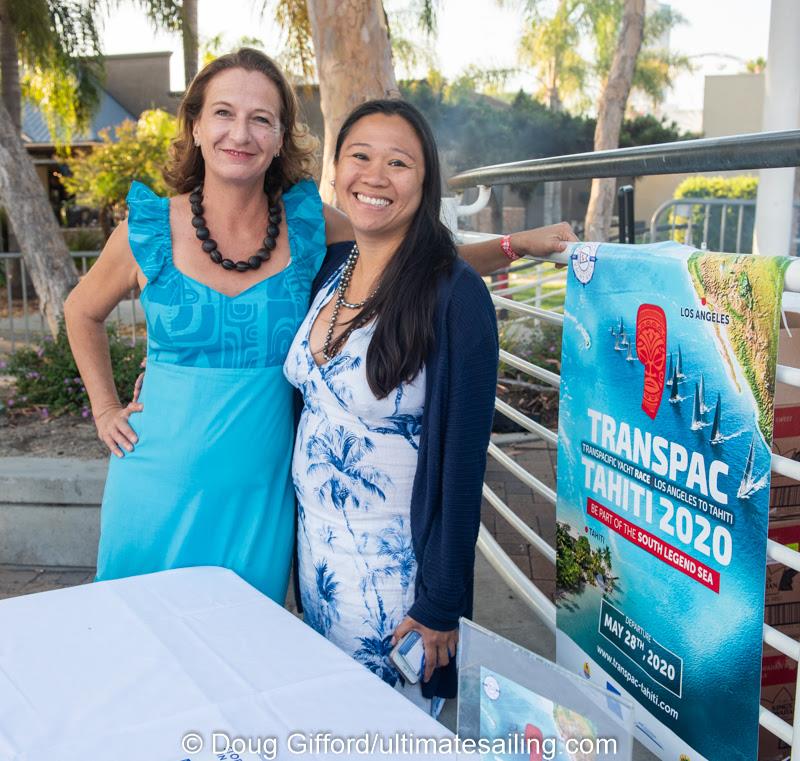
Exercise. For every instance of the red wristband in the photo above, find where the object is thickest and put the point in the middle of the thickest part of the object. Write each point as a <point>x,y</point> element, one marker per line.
<point>505,244</point>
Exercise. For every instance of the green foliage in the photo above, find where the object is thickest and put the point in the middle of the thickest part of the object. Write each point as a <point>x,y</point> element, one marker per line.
<point>215,46</point>
<point>59,47</point>
<point>84,239</point>
<point>579,564</point>
<point>102,178</point>
<point>475,130</point>
<point>539,344</point>
<point>742,187</point>
<point>647,130</point>
<point>46,377</point>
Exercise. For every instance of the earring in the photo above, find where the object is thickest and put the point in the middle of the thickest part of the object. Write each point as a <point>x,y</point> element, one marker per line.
<point>196,143</point>
<point>333,183</point>
<point>277,155</point>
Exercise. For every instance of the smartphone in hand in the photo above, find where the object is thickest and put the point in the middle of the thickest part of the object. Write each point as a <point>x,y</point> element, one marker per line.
<point>409,656</point>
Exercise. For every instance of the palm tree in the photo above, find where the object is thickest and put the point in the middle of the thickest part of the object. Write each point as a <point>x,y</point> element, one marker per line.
<point>610,113</point>
<point>58,41</point>
<point>354,63</point>
<point>175,16</point>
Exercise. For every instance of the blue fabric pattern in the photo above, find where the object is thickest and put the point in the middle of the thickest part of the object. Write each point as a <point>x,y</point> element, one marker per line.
<point>354,463</point>
<point>189,323</point>
<point>209,480</point>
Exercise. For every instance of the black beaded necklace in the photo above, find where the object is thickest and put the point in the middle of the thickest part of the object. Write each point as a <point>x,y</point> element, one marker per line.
<point>210,245</point>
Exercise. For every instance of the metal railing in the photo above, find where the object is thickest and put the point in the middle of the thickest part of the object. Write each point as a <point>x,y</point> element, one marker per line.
<point>737,152</point>
<point>21,322</point>
<point>689,220</point>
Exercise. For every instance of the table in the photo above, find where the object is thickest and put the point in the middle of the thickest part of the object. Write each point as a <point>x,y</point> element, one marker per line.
<point>124,669</point>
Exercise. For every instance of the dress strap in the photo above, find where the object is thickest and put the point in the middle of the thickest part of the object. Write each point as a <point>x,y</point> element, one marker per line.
<point>148,229</point>
<point>306,225</point>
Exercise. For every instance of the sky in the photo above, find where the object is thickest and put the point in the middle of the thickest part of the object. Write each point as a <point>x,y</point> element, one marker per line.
<point>718,36</point>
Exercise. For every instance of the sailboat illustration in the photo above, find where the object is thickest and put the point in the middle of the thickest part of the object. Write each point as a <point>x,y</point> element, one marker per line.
<point>624,339</point>
<point>697,412</point>
<point>673,394</point>
<point>702,393</point>
<point>617,346</point>
<point>679,365</point>
<point>669,371</point>
<point>630,356</point>
<point>746,486</point>
<point>716,434</point>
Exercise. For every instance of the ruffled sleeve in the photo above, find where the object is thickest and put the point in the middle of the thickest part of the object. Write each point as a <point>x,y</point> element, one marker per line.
<point>148,229</point>
<point>306,227</point>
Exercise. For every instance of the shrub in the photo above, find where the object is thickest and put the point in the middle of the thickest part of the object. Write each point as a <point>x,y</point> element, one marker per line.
<point>742,187</point>
<point>539,344</point>
<point>46,377</point>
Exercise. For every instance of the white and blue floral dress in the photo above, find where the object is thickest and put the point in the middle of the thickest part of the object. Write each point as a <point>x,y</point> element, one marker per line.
<point>355,458</point>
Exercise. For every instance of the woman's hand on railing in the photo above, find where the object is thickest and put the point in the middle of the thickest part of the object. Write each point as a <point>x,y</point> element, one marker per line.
<point>543,241</point>
<point>440,647</point>
<point>114,430</point>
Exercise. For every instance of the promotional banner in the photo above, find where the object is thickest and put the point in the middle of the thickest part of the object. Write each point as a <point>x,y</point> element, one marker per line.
<point>665,431</point>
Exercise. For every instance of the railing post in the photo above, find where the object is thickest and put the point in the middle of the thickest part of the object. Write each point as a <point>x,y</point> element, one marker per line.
<point>627,225</point>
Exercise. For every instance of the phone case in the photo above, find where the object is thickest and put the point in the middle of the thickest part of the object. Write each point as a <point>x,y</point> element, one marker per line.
<point>409,656</point>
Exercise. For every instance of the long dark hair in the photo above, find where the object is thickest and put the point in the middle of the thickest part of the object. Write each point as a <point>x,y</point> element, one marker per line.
<point>404,304</point>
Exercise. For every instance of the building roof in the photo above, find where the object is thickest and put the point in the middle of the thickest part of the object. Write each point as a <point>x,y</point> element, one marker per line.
<point>109,114</point>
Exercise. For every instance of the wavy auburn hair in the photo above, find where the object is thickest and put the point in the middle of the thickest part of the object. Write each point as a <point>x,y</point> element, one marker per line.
<point>186,168</point>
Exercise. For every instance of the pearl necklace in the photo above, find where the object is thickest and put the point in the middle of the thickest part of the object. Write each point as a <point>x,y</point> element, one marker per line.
<point>209,245</point>
<point>341,290</point>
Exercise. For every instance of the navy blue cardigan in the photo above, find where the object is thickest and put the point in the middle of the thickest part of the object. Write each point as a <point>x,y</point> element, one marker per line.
<point>460,385</point>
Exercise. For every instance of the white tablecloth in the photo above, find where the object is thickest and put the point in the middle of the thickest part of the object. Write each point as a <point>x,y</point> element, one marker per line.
<point>124,669</point>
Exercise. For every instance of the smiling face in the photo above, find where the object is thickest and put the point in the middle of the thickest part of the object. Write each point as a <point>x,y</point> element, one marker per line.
<point>379,175</point>
<point>239,127</point>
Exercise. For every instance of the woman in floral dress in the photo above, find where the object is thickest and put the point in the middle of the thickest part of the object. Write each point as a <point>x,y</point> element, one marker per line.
<point>397,363</point>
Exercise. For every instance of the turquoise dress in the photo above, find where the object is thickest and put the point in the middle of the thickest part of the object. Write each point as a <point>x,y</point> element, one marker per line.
<point>209,482</point>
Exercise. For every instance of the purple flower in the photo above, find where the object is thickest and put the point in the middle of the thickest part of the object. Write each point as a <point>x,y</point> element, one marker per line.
<point>44,412</point>
<point>552,349</point>
<point>85,412</point>
<point>40,353</point>
<point>3,364</point>
<point>33,375</point>
<point>48,339</point>
<point>10,403</point>
<point>67,381</point>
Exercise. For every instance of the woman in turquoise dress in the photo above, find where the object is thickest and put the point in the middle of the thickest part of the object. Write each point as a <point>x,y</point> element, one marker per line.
<point>201,472</point>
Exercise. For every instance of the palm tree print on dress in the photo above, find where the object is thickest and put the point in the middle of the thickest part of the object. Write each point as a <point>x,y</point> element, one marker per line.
<point>394,543</point>
<point>404,424</point>
<point>374,652</point>
<point>339,452</point>
<point>341,363</point>
<point>320,611</point>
